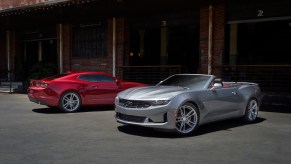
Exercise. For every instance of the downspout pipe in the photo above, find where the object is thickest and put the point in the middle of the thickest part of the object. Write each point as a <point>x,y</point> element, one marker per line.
<point>113,46</point>
<point>8,53</point>
<point>9,73</point>
<point>61,48</point>
<point>210,39</point>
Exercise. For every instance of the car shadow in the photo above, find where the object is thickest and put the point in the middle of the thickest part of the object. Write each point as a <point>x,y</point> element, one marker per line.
<point>82,110</point>
<point>226,125</point>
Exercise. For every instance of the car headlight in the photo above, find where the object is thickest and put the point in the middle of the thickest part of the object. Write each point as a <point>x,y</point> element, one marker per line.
<point>159,102</point>
<point>116,100</point>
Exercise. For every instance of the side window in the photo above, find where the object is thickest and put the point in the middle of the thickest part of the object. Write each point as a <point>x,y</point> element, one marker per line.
<point>104,78</point>
<point>96,78</point>
<point>89,78</point>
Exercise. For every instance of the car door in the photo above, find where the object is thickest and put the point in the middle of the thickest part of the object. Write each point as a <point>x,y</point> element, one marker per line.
<point>100,89</point>
<point>221,103</point>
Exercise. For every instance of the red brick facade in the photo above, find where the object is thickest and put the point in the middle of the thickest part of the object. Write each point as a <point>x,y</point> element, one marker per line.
<point>5,4</point>
<point>96,63</point>
<point>122,41</point>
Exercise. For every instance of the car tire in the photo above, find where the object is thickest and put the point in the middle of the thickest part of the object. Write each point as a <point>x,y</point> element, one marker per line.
<point>70,102</point>
<point>251,112</point>
<point>187,119</point>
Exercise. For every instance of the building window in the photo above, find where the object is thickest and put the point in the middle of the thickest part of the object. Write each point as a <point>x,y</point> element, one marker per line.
<point>90,40</point>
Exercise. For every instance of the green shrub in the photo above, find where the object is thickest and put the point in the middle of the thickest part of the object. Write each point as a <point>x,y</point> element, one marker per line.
<point>42,70</point>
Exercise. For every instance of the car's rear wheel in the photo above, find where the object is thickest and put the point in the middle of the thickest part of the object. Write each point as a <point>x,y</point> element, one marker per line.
<point>70,102</point>
<point>187,119</point>
<point>252,111</point>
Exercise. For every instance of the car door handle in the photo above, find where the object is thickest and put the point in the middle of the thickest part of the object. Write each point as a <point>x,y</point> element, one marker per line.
<point>94,86</point>
<point>234,93</point>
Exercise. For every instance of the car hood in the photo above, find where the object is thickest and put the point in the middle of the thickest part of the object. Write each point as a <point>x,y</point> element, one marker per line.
<point>151,93</point>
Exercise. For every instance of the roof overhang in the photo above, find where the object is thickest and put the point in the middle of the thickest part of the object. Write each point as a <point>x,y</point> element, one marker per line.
<point>48,5</point>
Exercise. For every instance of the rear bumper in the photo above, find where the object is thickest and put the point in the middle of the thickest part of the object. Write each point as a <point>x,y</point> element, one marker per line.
<point>40,97</point>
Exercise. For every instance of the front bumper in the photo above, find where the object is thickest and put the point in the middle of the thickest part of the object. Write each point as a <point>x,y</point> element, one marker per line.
<point>161,117</point>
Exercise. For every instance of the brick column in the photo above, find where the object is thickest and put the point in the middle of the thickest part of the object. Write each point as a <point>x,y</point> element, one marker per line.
<point>217,37</point>
<point>66,30</point>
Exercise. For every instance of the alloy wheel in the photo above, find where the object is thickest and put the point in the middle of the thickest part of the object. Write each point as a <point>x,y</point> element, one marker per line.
<point>252,110</point>
<point>70,102</point>
<point>187,119</point>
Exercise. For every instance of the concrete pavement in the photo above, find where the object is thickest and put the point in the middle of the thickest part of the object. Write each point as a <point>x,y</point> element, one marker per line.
<point>32,133</point>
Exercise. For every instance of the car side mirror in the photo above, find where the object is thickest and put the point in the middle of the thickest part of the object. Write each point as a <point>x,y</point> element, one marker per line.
<point>217,84</point>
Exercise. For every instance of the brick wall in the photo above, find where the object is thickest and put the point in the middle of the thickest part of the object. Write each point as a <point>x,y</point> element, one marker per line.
<point>6,4</point>
<point>218,37</point>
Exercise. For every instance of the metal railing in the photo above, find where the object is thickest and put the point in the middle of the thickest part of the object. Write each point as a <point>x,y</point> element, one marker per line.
<point>274,78</point>
<point>6,79</point>
<point>271,78</point>
<point>147,74</point>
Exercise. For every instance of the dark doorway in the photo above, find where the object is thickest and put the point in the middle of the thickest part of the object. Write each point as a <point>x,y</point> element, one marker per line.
<point>264,43</point>
<point>165,39</point>
<point>39,51</point>
<point>49,51</point>
<point>184,47</point>
<point>30,57</point>
<point>152,42</point>
<point>145,47</point>
<point>259,52</point>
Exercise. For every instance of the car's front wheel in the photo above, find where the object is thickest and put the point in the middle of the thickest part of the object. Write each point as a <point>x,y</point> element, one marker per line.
<point>70,102</point>
<point>187,119</point>
<point>252,110</point>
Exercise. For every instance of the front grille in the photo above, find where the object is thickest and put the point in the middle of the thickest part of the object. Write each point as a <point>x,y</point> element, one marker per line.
<point>133,103</point>
<point>130,118</point>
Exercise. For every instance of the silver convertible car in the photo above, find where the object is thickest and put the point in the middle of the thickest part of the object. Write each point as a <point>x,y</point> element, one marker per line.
<point>182,102</point>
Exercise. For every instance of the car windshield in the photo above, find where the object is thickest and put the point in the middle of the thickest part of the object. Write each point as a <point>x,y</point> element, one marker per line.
<point>187,81</point>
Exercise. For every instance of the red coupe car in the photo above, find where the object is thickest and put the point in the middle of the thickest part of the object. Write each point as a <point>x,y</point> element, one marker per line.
<point>70,91</point>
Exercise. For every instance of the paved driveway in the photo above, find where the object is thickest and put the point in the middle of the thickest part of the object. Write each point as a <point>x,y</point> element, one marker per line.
<point>32,133</point>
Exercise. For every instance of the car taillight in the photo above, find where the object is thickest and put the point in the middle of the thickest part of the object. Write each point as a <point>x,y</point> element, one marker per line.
<point>43,85</point>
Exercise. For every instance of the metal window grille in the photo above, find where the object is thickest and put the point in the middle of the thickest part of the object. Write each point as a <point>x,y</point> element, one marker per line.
<point>90,40</point>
